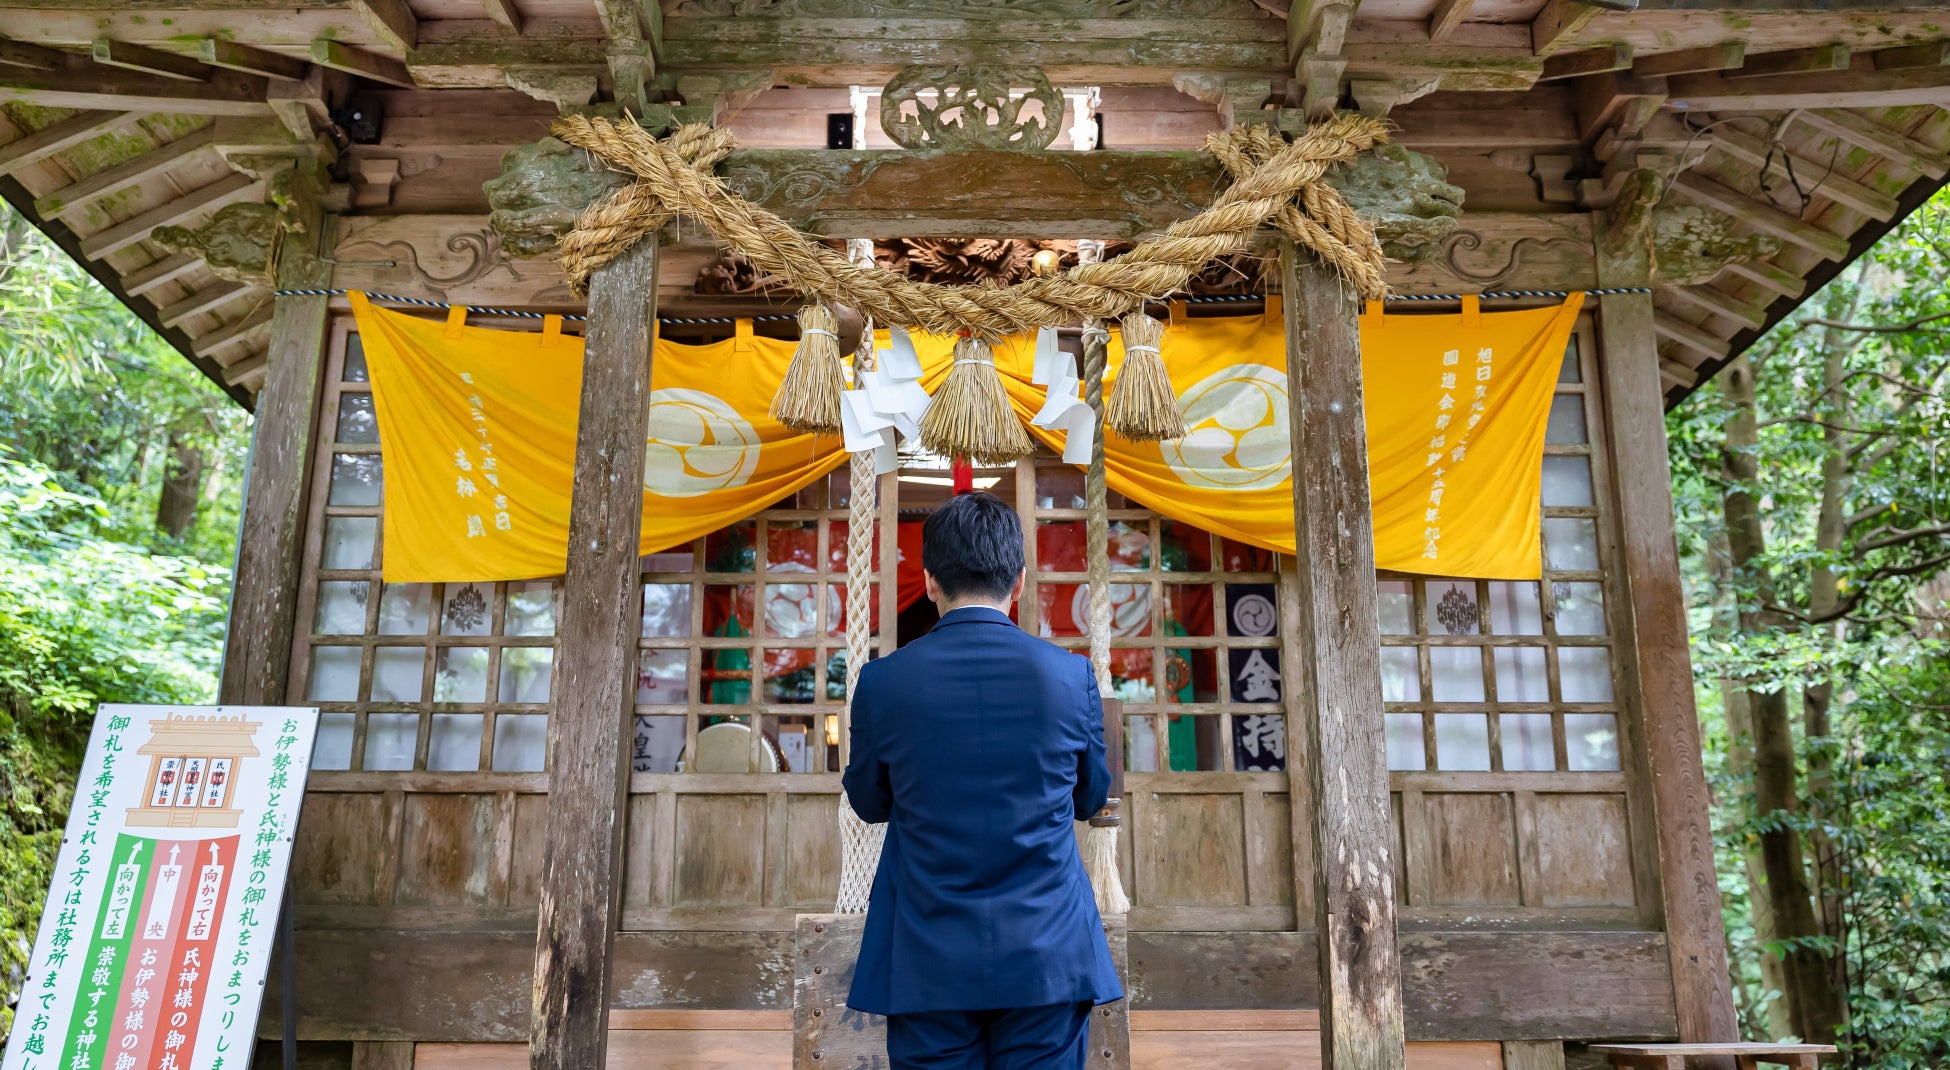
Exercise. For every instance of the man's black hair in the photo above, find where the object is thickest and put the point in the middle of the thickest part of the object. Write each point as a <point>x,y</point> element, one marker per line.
<point>973,546</point>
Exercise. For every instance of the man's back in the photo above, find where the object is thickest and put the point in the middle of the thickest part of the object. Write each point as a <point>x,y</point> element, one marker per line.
<point>980,745</point>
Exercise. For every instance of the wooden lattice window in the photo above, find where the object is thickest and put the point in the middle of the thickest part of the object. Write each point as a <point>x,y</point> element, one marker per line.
<point>750,621</point>
<point>1516,676</point>
<point>438,676</point>
<point>1195,625</point>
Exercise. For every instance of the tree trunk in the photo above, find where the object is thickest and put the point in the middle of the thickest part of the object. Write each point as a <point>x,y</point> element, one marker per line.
<point>1734,703</point>
<point>1824,594</point>
<point>182,487</point>
<point>13,235</point>
<point>1810,994</point>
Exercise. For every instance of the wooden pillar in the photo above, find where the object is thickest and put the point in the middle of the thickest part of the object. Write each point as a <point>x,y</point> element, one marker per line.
<point>1657,668</point>
<point>1338,635</point>
<point>264,589</point>
<point>589,731</point>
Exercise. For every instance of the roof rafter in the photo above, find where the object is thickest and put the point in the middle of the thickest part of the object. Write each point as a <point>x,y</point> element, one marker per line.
<point>1761,216</point>
<point>81,83</point>
<point>229,54</point>
<point>61,135</point>
<point>121,176</point>
<point>224,191</point>
<point>134,57</point>
<point>1860,86</point>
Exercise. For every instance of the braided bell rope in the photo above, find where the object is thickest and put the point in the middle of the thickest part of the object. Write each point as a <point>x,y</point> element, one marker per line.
<point>859,842</point>
<point>1272,180</point>
<point>1100,841</point>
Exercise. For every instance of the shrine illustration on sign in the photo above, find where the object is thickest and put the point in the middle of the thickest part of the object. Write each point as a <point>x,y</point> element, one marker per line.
<point>153,946</point>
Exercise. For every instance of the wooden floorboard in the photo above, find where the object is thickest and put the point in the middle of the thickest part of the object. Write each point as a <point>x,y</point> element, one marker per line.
<point>762,1040</point>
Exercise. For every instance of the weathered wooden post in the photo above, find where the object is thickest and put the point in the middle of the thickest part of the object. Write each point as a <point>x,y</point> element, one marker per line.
<point>589,726</point>
<point>1337,631</point>
<point>542,188</point>
<point>1659,666</point>
<point>264,599</point>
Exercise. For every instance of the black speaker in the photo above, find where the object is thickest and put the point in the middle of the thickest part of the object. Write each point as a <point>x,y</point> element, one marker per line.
<point>839,130</point>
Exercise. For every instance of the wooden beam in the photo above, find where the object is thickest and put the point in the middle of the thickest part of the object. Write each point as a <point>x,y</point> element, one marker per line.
<point>503,14</point>
<point>1768,276</point>
<point>1533,1055</point>
<point>839,52</point>
<point>1681,375</point>
<point>228,190</point>
<point>392,20</point>
<point>121,176</point>
<point>874,193</point>
<point>148,60</point>
<point>1655,661</point>
<point>1795,61</point>
<point>1720,304</point>
<point>87,85</point>
<point>1860,86</point>
<point>1590,61</point>
<point>1618,101</point>
<point>1718,57</point>
<point>590,729</point>
<point>229,54</point>
<point>332,54</point>
<point>60,136</point>
<point>1762,217</point>
<point>167,270</point>
<point>210,297</point>
<point>1691,337</point>
<point>1336,621</point>
<point>1556,26</point>
<point>1460,68</point>
<point>34,57</point>
<point>1448,15</point>
<point>248,372</point>
<point>398,1055</point>
<point>236,331</point>
<point>1751,150</point>
<point>1879,139</point>
<point>1906,57</point>
<point>264,593</point>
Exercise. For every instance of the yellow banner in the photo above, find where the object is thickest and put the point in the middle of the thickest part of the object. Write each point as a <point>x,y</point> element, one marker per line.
<point>478,428</point>
<point>1456,409</point>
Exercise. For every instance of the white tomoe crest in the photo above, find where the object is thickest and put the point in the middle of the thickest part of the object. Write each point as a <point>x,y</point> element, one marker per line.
<point>695,443</point>
<point>1236,431</point>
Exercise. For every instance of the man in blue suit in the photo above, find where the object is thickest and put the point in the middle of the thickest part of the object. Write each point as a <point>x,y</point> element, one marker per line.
<point>979,745</point>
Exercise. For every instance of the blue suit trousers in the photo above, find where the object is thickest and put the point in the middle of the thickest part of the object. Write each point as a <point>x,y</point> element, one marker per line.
<point>1056,1037</point>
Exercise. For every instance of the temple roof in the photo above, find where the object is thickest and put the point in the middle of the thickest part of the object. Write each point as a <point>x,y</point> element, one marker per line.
<point>1812,126</point>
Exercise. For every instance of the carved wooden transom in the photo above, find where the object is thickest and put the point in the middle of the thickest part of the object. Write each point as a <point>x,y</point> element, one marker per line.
<point>950,108</point>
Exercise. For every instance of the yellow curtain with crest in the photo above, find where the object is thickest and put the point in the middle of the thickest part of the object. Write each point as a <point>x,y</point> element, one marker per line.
<point>478,432</point>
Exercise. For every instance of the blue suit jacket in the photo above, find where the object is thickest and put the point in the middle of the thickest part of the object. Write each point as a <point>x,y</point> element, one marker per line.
<point>979,745</point>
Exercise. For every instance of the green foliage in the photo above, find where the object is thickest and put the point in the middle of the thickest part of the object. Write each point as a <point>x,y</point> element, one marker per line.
<point>83,620</point>
<point>88,390</point>
<point>97,603</point>
<point>1851,400</point>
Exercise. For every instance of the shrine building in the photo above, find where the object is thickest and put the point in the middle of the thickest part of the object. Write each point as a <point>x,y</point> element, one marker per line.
<point>1392,622</point>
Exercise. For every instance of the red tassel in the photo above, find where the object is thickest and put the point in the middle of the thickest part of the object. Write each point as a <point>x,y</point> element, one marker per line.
<point>963,475</point>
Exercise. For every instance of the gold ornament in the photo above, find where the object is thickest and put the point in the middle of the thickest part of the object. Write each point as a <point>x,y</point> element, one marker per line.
<point>1046,262</point>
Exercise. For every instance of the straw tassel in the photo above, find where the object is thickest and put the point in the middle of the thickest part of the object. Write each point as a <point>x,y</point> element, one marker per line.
<point>970,416</point>
<point>1142,406</point>
<point>809,396</point>
<point>1100,862</point>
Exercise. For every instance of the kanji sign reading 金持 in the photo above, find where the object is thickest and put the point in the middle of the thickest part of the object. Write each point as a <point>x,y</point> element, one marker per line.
<point>157,931</point>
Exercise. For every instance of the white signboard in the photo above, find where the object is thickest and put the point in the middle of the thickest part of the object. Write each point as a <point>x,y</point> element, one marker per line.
<point>157,932</point>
